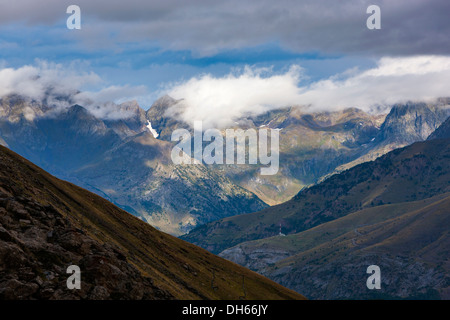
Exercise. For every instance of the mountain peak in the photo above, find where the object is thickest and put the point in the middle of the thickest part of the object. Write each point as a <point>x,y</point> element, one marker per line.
<point>131,105</point>
<point>160,106</point>
<point>165,99</point>
<point>443,132</point>
<point>77,109</point>
<point>162,123</point>
<point>410,122</point>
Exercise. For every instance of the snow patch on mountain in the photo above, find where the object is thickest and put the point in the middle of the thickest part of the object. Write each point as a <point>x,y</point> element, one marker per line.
<point>153,131</point>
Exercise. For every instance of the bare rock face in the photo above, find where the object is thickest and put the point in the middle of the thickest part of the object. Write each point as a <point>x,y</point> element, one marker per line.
<point>412,122</point>
<point>345,278</point>
<point>37,244</point>
<point>258,259</point>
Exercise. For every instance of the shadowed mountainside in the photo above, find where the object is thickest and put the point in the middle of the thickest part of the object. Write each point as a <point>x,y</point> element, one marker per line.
<point>110,151</point>
<point>120,160</point>
<point>412,173</point>
<point>409,241</point>
<point>47,224</point>
<point>392,212</point>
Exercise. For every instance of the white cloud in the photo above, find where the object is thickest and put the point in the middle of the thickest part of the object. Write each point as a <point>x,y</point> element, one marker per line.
<point>218,102</point>
<point>49,82</point>
<point>43,80</point>
<point>394,80</point>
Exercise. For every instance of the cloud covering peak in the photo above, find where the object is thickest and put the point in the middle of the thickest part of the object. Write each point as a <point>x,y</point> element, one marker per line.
<point>60,86</point>
<point>37,82</point>
<point>219,101</point>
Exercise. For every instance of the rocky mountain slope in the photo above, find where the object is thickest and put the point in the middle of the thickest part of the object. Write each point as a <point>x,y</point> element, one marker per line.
<point>405,124</point>
<point>47,224</point>
<point>329,139</point>
<point>392,212</point>
<point>119,159</point>
<point>175,198</point>
<point>416,172</point>
<point>111,151</point>
<point>314,146</point>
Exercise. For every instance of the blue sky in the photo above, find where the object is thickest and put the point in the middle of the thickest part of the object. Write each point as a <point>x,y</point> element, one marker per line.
<point>155,45</point>
<point>148,64</point>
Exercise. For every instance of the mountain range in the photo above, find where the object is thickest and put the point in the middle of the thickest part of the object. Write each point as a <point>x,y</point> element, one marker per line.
<point>354,190</point>
<point>392,212</point>
<point>120,160</point>
<point>115,154</point>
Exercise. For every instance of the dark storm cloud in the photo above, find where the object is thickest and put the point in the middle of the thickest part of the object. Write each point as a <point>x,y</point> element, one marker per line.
<point>207,27</point>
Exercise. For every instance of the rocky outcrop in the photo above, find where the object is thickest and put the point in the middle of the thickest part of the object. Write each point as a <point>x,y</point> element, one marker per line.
<point>346,278</point>
<point>258,259</point>
<point>411,122</point>
<point>37,244</point>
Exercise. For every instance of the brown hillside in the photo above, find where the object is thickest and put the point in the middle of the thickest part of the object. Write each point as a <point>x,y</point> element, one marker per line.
<point>47,224</point>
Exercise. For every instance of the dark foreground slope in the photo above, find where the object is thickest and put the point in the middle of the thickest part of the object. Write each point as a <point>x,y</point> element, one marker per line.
<point>47,224</point>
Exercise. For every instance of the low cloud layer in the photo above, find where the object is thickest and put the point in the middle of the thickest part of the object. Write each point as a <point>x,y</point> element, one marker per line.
<point>42,80</point>
<point>60,87</point>
<point>218,102</point>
